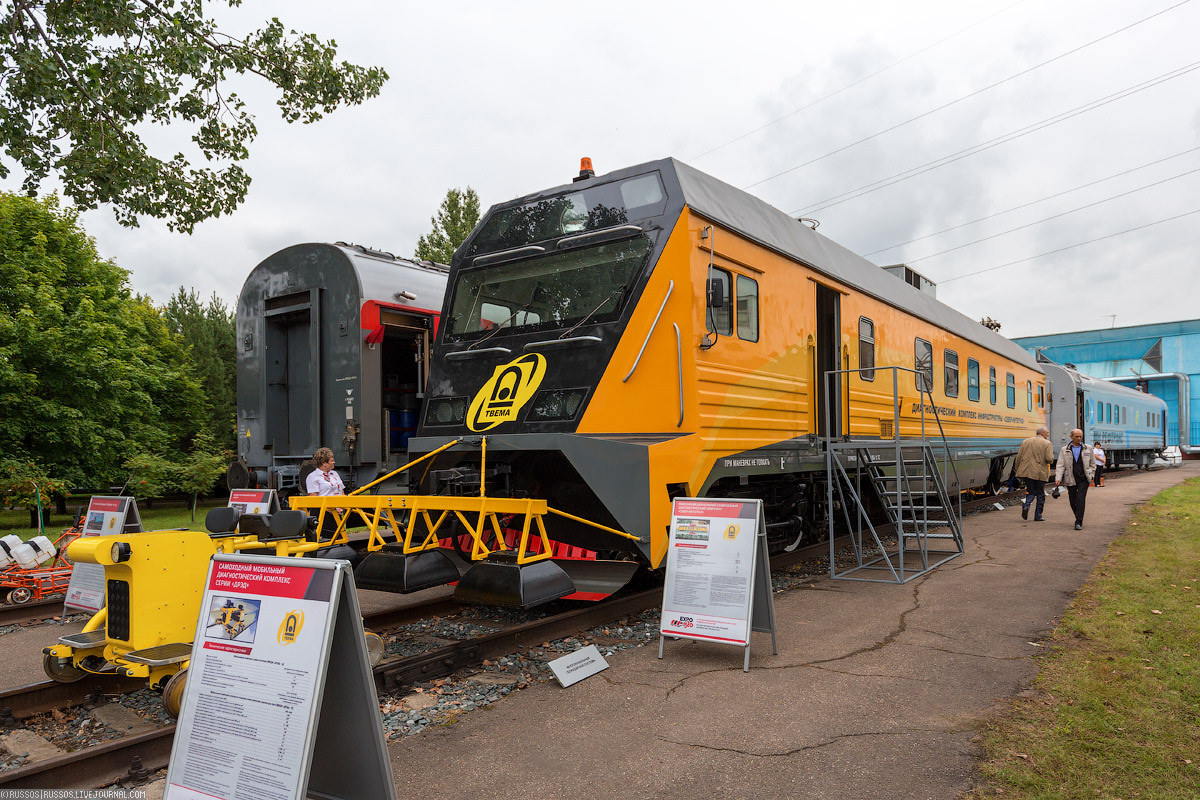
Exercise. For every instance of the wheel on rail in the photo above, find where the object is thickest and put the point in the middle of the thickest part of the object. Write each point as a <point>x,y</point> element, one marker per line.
<point>172,696</point>
<point>374,647</point>
<point>20,595</point>
<point>61,670</point>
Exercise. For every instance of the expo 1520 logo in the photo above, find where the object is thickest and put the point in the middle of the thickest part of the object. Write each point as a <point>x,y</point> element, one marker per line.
<point>682,622</point>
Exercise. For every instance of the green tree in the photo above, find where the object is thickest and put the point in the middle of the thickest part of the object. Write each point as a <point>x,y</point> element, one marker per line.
<point>210,333</point>
<point>90,375</point>
<point>77,80</point>
<point>23,483</point>
<point>197,471</point>
<point>451,225</point>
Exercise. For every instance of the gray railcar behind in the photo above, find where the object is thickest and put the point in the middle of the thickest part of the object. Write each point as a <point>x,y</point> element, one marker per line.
<point>331,352</point>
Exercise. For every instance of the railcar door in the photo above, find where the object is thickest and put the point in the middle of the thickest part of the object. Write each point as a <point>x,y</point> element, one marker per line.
<point>826,358</point>
<point>292,373</point>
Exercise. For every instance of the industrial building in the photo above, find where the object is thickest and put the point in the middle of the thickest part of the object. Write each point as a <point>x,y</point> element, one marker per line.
<point>1162,358</point>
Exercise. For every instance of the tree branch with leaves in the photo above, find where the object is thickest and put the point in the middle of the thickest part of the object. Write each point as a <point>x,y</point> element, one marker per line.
<point>78,76</point>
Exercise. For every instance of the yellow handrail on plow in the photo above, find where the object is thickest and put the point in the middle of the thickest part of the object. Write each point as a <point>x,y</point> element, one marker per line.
<point>379,510</point>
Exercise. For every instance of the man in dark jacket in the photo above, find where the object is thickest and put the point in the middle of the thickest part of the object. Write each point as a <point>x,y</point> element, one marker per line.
<point>1075,469</point>
<point>1033,466</point>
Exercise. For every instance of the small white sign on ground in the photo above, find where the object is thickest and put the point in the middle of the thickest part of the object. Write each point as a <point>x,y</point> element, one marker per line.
<point>583,663</point>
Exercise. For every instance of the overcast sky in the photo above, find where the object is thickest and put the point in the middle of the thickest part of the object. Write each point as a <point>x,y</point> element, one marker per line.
<point>802,103</point>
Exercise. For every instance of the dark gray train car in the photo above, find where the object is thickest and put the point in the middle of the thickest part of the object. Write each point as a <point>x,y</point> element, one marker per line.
<point>332,343</point>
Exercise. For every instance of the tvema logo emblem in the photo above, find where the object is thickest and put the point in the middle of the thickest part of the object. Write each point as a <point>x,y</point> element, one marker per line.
<point>289,629</point>
<point>509,389</point>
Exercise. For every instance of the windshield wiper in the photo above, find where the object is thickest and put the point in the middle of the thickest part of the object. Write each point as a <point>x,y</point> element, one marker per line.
<point>499,327</point>
<point>534,295</point>
<point>620,290</point>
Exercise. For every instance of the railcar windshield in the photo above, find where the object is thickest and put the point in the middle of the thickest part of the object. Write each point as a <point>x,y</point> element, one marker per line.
<point>547,292</point>
<point>591,209</point>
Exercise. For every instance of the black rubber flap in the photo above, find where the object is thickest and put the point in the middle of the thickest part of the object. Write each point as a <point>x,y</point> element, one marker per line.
<point>389,570</point>
<point>339,551</point>
<point>500,581</point>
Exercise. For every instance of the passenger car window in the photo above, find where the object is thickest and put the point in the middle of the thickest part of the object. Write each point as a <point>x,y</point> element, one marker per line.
<point>992,381</point>
<point>923,364</point>
<point>866,348</point>
<point>972,379</point>
<point>951,370</point>
<point>747,308</point>
<point>1029,395</point>
<point>1010,387</point>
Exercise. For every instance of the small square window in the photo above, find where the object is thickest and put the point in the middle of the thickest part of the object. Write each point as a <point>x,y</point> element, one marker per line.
<point>747,308</point>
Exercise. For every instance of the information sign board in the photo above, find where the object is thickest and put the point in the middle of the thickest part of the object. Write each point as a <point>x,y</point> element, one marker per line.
<point>275,634</point>
<point>254,501</point>
<point>718,577</point>
<point>105,516</point>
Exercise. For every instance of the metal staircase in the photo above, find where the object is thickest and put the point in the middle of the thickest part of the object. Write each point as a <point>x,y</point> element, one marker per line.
<point>904,474</point>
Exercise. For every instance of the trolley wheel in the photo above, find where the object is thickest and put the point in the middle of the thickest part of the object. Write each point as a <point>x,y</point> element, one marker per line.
<point>374,647</point>
<point>172,697</point>
<point>61,673</point>
<point>20,595</point>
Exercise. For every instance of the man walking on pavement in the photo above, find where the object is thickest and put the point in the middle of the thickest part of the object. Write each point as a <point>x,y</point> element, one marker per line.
<point>1033,466</point>
<point>1076,466</point>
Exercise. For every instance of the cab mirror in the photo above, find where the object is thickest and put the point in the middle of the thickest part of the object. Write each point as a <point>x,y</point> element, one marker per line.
<point>716,293</point>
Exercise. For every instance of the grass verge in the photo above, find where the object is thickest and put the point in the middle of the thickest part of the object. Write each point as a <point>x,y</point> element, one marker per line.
<point>159,518</point>
<point>1116,707</point>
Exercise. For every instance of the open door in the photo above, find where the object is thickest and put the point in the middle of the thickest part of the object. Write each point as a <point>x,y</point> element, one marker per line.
<point>828,349</point>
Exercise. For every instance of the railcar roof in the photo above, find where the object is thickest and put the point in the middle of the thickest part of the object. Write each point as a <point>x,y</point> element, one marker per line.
<point>763,223</point>
<point>772,228</point>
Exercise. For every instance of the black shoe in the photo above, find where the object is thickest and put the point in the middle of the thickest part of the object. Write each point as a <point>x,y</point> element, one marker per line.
<point>1078,526</point>
<point>1039,519</point>
<point>1024,512</point>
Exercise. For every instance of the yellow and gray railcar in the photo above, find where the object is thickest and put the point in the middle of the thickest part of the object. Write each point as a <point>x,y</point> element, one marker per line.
<point>628,338</point>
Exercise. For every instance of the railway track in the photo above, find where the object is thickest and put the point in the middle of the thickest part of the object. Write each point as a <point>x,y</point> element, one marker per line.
<point>134,758</point>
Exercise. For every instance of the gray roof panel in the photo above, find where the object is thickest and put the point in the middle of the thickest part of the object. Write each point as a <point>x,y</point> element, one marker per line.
<point>775,230</point>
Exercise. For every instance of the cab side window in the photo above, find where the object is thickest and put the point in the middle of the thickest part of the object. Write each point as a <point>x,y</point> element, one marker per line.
<point>866,348</point>
<point>951,368</point>
<point>747,308</point>
<point>719,320</point>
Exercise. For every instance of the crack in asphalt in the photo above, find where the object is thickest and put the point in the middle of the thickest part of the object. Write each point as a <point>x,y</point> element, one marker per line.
<point>901,626</point>
<point>804,748</point>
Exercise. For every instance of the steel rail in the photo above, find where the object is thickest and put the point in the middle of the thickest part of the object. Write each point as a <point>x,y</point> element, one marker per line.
<point>11,614</point>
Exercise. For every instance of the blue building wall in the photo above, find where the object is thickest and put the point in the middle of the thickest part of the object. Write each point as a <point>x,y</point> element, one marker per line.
<point>1137,350</point>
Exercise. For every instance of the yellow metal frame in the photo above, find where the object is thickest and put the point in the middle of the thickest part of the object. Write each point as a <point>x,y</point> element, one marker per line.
<point>377,510</point>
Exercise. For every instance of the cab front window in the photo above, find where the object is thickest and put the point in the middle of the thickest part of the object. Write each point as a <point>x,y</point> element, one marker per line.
<point>547,292</point>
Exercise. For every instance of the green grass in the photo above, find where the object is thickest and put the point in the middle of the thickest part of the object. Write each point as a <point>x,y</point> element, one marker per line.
<point>1116,705</point>
<point>163,515</point>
